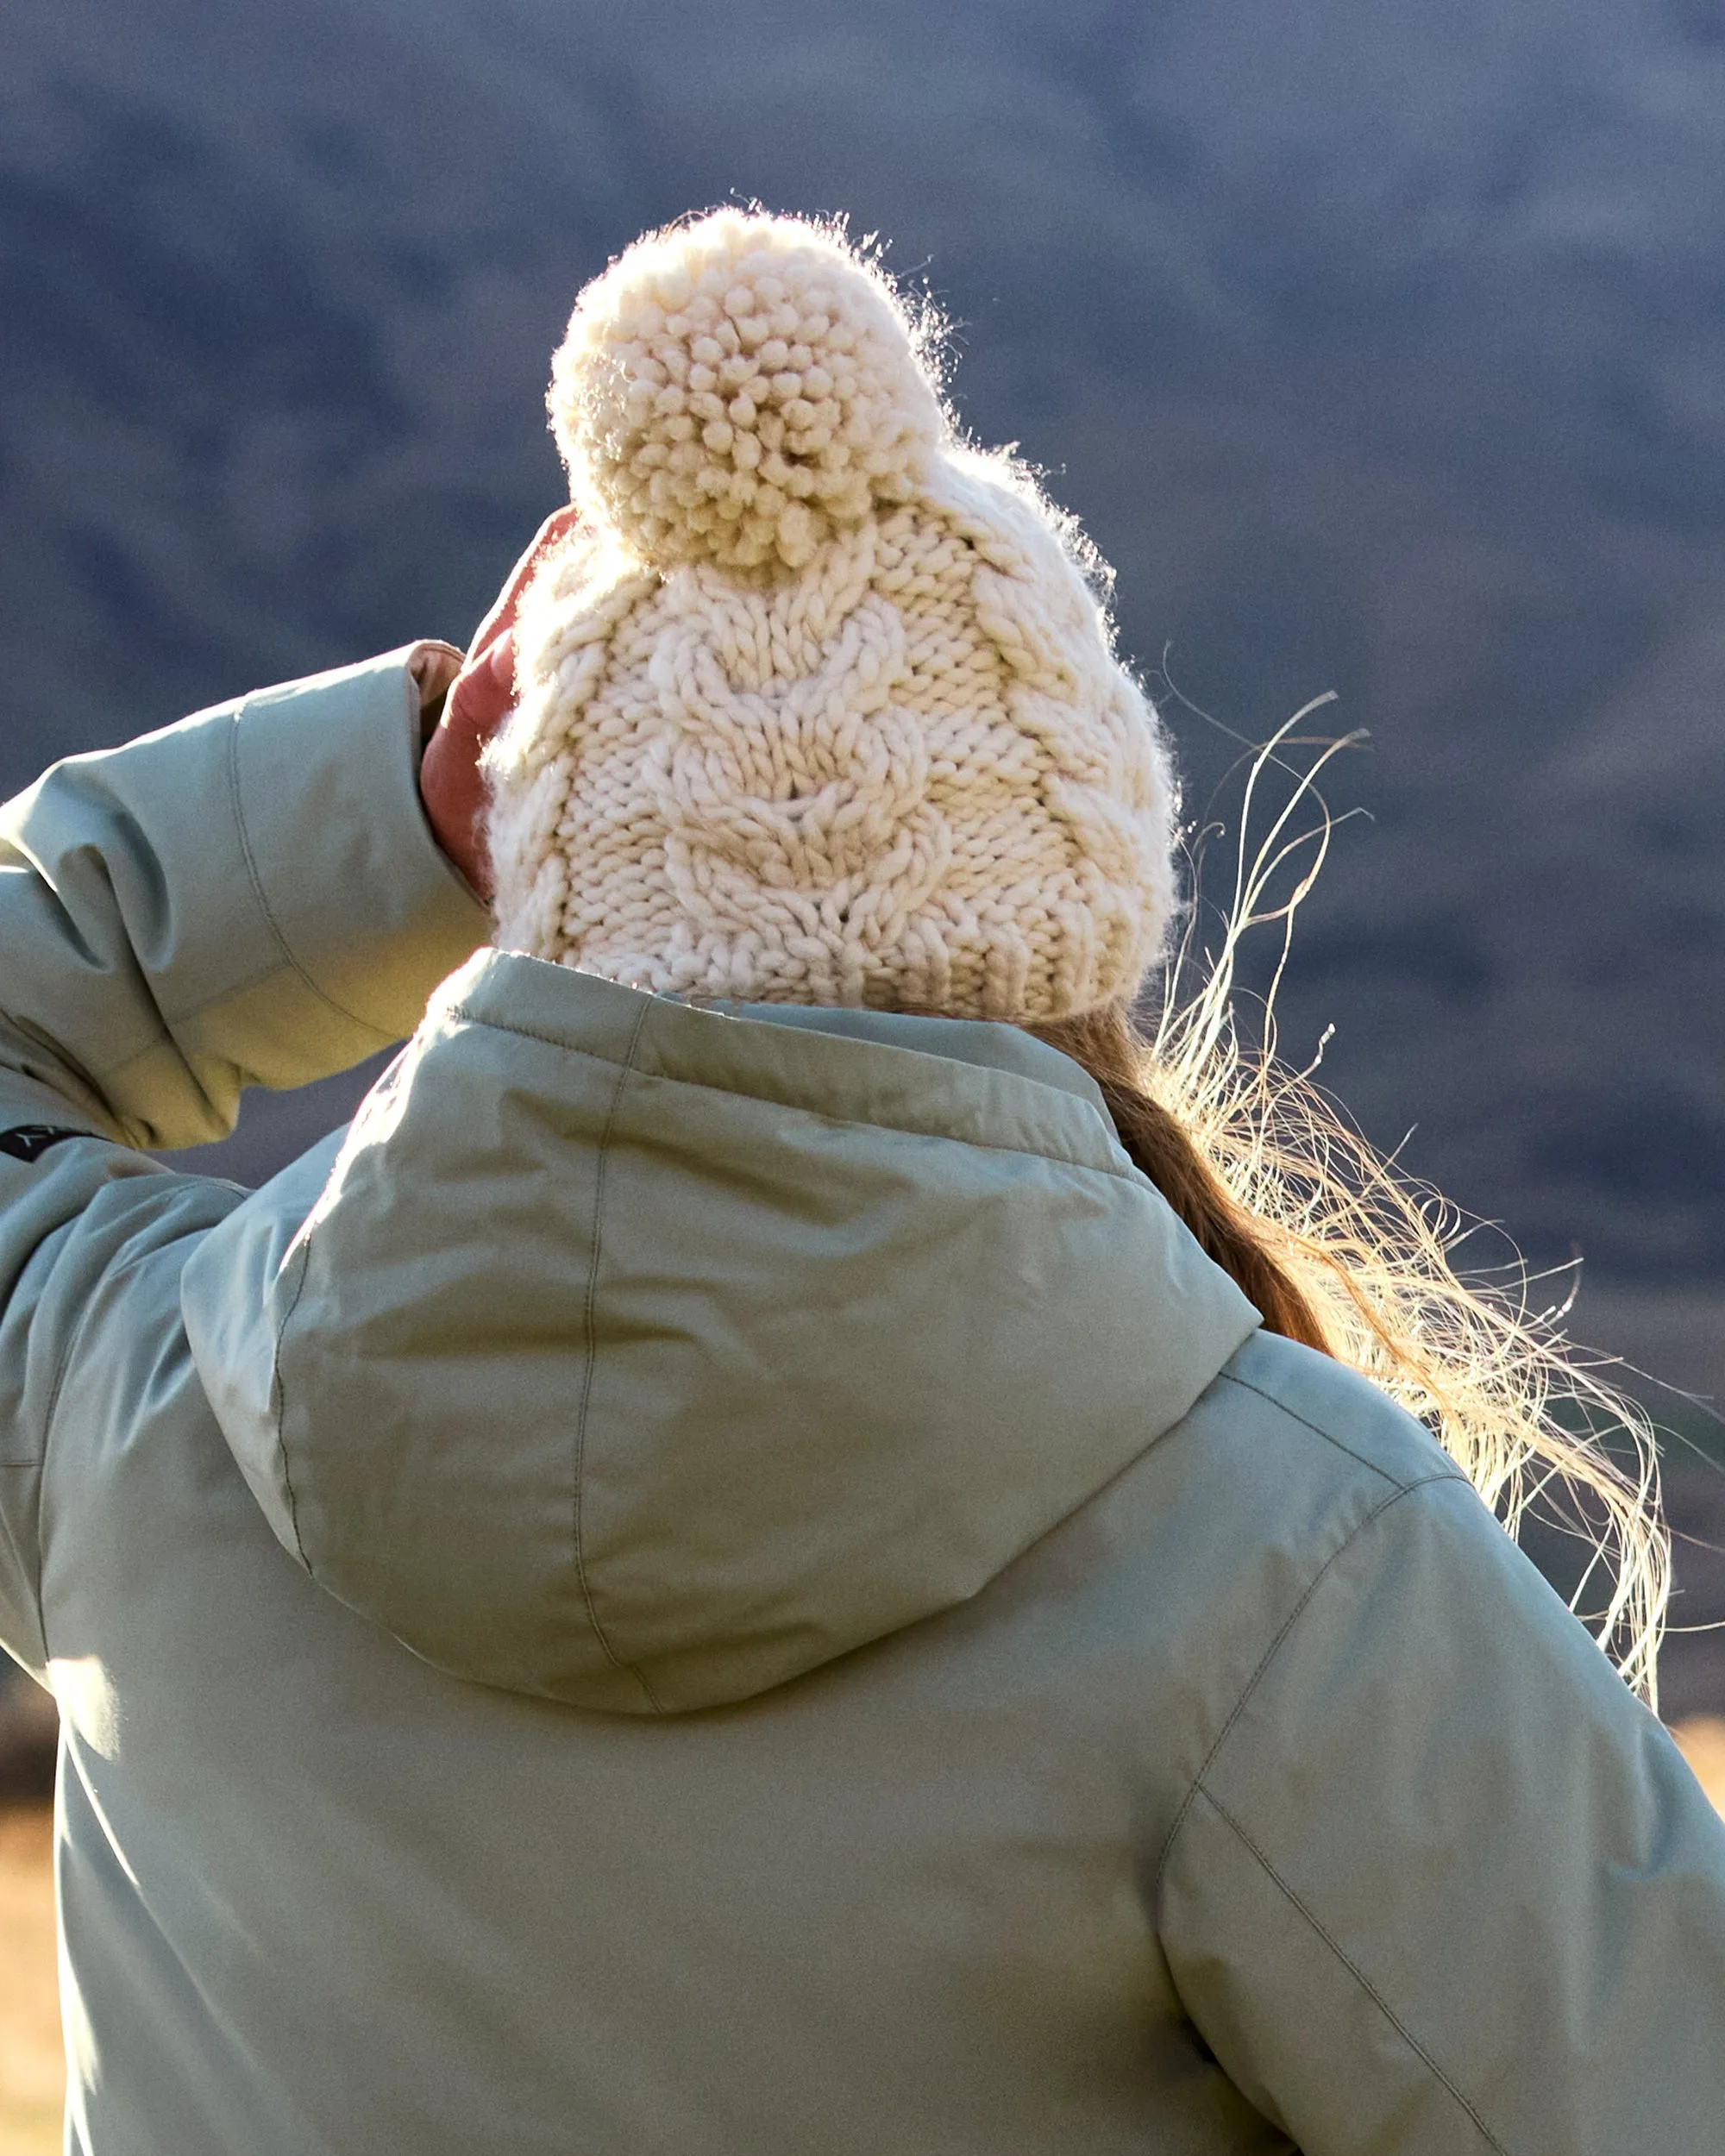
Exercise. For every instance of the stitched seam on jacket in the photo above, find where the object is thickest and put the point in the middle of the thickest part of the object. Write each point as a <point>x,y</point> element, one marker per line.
<point>62,1371</point>
<point>1328,1436</point>
<point>1126,1174</point>
<point>278,1386</point>
<point>590,1319</point>
<point>1274,1648</point>
<point>1354,1969</point>
<point>270,921</point>
<point>86,1318</point>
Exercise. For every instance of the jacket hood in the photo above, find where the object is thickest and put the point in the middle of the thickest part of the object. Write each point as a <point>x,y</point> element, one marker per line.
<point>644,1357</point>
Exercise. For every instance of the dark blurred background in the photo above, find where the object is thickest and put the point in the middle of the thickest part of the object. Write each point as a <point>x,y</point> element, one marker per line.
<point>1381,349</point>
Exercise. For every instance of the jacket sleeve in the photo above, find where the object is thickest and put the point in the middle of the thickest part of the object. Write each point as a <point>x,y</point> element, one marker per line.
<point>1443,1886</point>
<point>252,897</point>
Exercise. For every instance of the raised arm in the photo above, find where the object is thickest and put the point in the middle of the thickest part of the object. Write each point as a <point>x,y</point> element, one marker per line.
<point>252,897</point>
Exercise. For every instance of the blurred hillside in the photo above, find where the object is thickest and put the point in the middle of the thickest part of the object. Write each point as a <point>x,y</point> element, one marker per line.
<point>1382,350</point>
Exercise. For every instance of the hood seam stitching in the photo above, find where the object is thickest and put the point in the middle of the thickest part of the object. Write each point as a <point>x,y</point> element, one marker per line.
<point>1125,1173</point>
<point>590,1323</point>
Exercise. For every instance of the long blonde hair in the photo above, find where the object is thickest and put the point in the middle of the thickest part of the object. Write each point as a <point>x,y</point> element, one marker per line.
<point>1340,1250</point>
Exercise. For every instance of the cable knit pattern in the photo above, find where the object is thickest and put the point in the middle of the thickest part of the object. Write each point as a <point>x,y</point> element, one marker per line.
<point>862,742</point>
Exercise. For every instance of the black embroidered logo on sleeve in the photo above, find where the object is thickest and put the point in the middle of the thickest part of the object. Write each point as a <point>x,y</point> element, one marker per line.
<point>30,1141</point>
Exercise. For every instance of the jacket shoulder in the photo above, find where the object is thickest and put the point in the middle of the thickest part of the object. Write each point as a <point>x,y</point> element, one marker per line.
<point>1187,1573</point>
<point>1318,1415</point>
<point>1236,1513</point>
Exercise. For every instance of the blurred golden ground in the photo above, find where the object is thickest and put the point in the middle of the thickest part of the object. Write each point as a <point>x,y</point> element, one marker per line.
<point>1702,1743</point>
<point>32,2080</point>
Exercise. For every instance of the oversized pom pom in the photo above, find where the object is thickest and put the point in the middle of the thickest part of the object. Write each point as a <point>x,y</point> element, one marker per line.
<point>738,390</point>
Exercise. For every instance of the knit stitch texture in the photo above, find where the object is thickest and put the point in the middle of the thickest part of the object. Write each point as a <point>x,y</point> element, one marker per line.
<point>821,707</point>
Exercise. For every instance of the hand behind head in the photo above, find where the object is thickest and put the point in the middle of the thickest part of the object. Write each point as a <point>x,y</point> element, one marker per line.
<point>483,694</point>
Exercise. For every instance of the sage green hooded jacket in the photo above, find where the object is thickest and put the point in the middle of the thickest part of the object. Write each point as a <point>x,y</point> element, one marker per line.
<point>733,1582</point>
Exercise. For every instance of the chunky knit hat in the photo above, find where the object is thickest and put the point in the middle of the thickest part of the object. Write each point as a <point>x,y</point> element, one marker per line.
<point>820,705</point>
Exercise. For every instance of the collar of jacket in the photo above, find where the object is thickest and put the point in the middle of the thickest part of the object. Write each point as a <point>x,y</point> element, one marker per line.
<point>645,1357</point>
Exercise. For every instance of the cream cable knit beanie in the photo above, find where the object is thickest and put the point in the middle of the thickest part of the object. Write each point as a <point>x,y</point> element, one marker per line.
<point>821,707</point>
